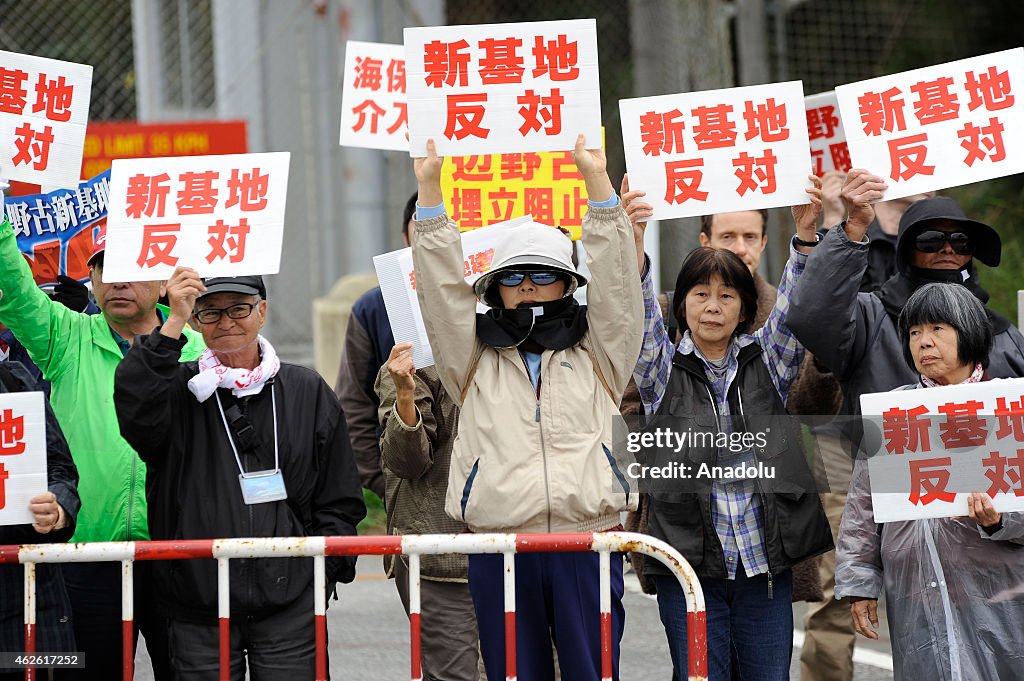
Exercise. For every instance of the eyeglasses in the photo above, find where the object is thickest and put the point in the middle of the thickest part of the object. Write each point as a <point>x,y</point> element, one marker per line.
<point>212,315</point>
<point>538,278</point>
<point>932,241</point>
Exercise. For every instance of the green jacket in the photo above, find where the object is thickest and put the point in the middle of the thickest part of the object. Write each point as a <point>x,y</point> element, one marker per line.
<point>78,354</point>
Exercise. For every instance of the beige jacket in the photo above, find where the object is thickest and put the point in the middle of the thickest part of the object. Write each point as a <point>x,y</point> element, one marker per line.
<point>523,463</point>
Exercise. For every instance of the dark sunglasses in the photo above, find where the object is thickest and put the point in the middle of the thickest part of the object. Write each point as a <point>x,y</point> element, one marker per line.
<point>538,278</point>
<point>237,311</point>
<point>932,241</point>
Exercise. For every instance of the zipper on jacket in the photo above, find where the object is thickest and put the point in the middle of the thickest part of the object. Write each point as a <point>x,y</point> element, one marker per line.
<point>544,458</point>
<point>771,586</point>
<point>131,497</point>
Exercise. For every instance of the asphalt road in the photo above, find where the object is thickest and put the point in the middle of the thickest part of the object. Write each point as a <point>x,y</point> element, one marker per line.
<point>369,636</point>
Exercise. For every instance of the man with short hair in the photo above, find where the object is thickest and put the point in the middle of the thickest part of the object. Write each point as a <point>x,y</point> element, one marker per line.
<point>744,233</point>
<point>239,444</point>
<point>78,353</point>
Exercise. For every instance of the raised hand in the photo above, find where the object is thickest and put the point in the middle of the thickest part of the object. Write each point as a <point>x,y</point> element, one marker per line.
<point>806,215</point>
<point>184,286</point>
<point>401,368</point>
<point>860,190</point>
<point>593,166</point>
<point>428,175</point>
<point>832,206</point>
<point>639,212</point>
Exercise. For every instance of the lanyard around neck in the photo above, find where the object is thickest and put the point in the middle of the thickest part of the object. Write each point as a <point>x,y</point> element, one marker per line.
<point>227,429</point>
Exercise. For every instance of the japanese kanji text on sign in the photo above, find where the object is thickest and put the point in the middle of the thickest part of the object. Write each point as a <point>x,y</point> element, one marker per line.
<point>44,106</point>
<point>22,455</point>
<point>502,88</point>
<point>221,215</point>
<point>940,444</point>
<point>373,101</point>
<point>721,150</point>
<point>940,126</point>
<point>826,134</point>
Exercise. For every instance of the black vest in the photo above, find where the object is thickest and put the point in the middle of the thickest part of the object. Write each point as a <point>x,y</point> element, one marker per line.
<point>795,525</point>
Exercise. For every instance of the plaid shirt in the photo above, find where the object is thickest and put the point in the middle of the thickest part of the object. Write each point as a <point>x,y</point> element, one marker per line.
<point>736,510</point>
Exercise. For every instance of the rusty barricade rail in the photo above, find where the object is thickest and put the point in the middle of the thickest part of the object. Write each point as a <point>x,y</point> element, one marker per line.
<point>414,546</point>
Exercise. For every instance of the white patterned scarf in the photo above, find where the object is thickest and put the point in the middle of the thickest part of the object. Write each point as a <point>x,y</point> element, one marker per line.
<point>212,374</point>
<point>975,377</point>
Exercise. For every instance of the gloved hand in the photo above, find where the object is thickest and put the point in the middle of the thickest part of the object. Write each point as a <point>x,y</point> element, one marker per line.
<point>71,293</point>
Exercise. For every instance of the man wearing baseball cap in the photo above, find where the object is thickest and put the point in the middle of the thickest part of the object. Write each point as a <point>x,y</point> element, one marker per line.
<point>78,353</point>
<point>238,444</point>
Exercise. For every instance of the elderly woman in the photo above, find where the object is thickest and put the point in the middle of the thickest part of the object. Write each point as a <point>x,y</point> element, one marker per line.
<point>740,535</point>
<point>952,585</point>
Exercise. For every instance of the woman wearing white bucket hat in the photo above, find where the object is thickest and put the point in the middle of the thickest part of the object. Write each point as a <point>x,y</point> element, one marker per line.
<point>539,379</point>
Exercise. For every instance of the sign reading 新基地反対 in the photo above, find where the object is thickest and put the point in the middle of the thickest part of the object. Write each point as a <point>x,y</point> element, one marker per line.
<point>939,126</point>
<point>700,153</point>
<point>503,88</point>
<point>220,215</point>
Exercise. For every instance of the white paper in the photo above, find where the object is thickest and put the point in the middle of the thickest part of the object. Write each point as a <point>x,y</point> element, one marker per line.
<point>373,99</point>
<point>41,113</point>
<point>258,194</point>
<point>778,155</point>
<point>22,455</point>
<point>944,164</point>
<point>825,134</point>
<point>565,68</point>
<point>891,470</point>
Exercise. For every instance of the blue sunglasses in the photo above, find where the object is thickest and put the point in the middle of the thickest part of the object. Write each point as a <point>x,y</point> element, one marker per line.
<point>538,278</point>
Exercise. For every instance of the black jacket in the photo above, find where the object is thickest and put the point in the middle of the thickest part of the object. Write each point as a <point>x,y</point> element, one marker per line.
<point>192,483</point>
<point>53,610</point>
<point>795,525</point>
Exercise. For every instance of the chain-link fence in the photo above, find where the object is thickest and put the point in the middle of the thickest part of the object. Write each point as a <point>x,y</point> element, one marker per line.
<point>97,33</point>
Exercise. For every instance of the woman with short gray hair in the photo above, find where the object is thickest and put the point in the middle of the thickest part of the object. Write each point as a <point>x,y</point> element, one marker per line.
<point>952,585</point>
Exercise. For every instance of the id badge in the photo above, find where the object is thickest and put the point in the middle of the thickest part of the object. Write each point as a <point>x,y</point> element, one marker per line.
<point>261,487</point>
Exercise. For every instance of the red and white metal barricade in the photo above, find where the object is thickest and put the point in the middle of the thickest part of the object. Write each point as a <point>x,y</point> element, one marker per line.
<point>225,550</point>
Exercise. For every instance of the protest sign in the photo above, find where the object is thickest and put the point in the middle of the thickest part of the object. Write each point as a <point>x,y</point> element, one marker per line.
<point>937,445</point>
<point>105,141</point>
<point>22,455</point>
<point>44,106</point>
<point>221,215</point>
<point>503,88</point>
<point>484,190</point>
<point>825,134</point>
<point>398,284</point>
<point>940,126</point>
<point>373,101</point>
<point>708,152</point>
<point>55,230</point>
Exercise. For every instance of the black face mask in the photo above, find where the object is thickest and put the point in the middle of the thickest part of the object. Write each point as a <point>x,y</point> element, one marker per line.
<point>895,292</point>
<point>560,325</point>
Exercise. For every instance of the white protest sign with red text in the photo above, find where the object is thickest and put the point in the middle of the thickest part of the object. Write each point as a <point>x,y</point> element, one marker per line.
<point>398,284</point>
<point>373,106</point>
<point>826,135</point>
<point>22,455</point>
<point>940,126</point>
<point>221,215</point>
<point>717,151</point>
<point>503,88</point>
<point>940,444</point>
<point>44,107</point>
